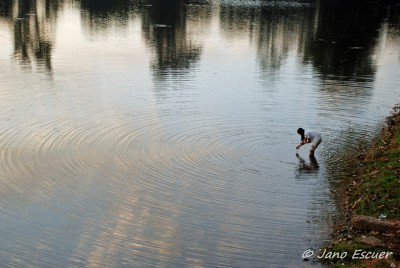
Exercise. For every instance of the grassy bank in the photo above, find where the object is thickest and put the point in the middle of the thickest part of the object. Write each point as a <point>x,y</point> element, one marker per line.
<point>372,188</point>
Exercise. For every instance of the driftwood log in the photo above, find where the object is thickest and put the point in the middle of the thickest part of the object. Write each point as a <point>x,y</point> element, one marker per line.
<point>367,224</point>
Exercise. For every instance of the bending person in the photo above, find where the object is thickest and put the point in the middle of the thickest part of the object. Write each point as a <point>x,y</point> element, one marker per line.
<point>309,136</point>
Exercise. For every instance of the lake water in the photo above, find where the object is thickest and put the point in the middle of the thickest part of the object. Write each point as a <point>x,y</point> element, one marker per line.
<point>163,133</point>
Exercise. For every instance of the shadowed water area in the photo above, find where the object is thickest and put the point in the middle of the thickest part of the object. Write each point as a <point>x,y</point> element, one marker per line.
<point>163,133</point>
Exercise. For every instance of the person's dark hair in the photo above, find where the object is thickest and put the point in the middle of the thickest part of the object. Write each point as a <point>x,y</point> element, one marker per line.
<point>301,132</point>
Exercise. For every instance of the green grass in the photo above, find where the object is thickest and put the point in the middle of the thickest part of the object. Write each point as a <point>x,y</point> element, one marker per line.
<point>397,139</point>
<point>380,192</point>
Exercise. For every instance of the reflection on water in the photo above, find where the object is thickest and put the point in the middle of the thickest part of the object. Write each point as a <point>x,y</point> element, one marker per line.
<point>310,166</point>
<point>163,133</point>
<point>34,25</point>
<point>173,35</point>
<point>349,49</point>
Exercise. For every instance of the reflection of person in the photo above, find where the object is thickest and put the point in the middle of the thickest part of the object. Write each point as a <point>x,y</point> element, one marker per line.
<point>313,165</point>
<point>309,136</point>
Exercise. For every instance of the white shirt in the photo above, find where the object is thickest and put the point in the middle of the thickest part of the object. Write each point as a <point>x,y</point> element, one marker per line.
<point>312,135</point>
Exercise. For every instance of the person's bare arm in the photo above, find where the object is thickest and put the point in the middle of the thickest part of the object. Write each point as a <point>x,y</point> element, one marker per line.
<point>306,140</point>
<point>301,144</point>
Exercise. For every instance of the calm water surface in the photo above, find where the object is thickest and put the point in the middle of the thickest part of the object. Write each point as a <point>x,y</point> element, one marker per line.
<point>163,133</point>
